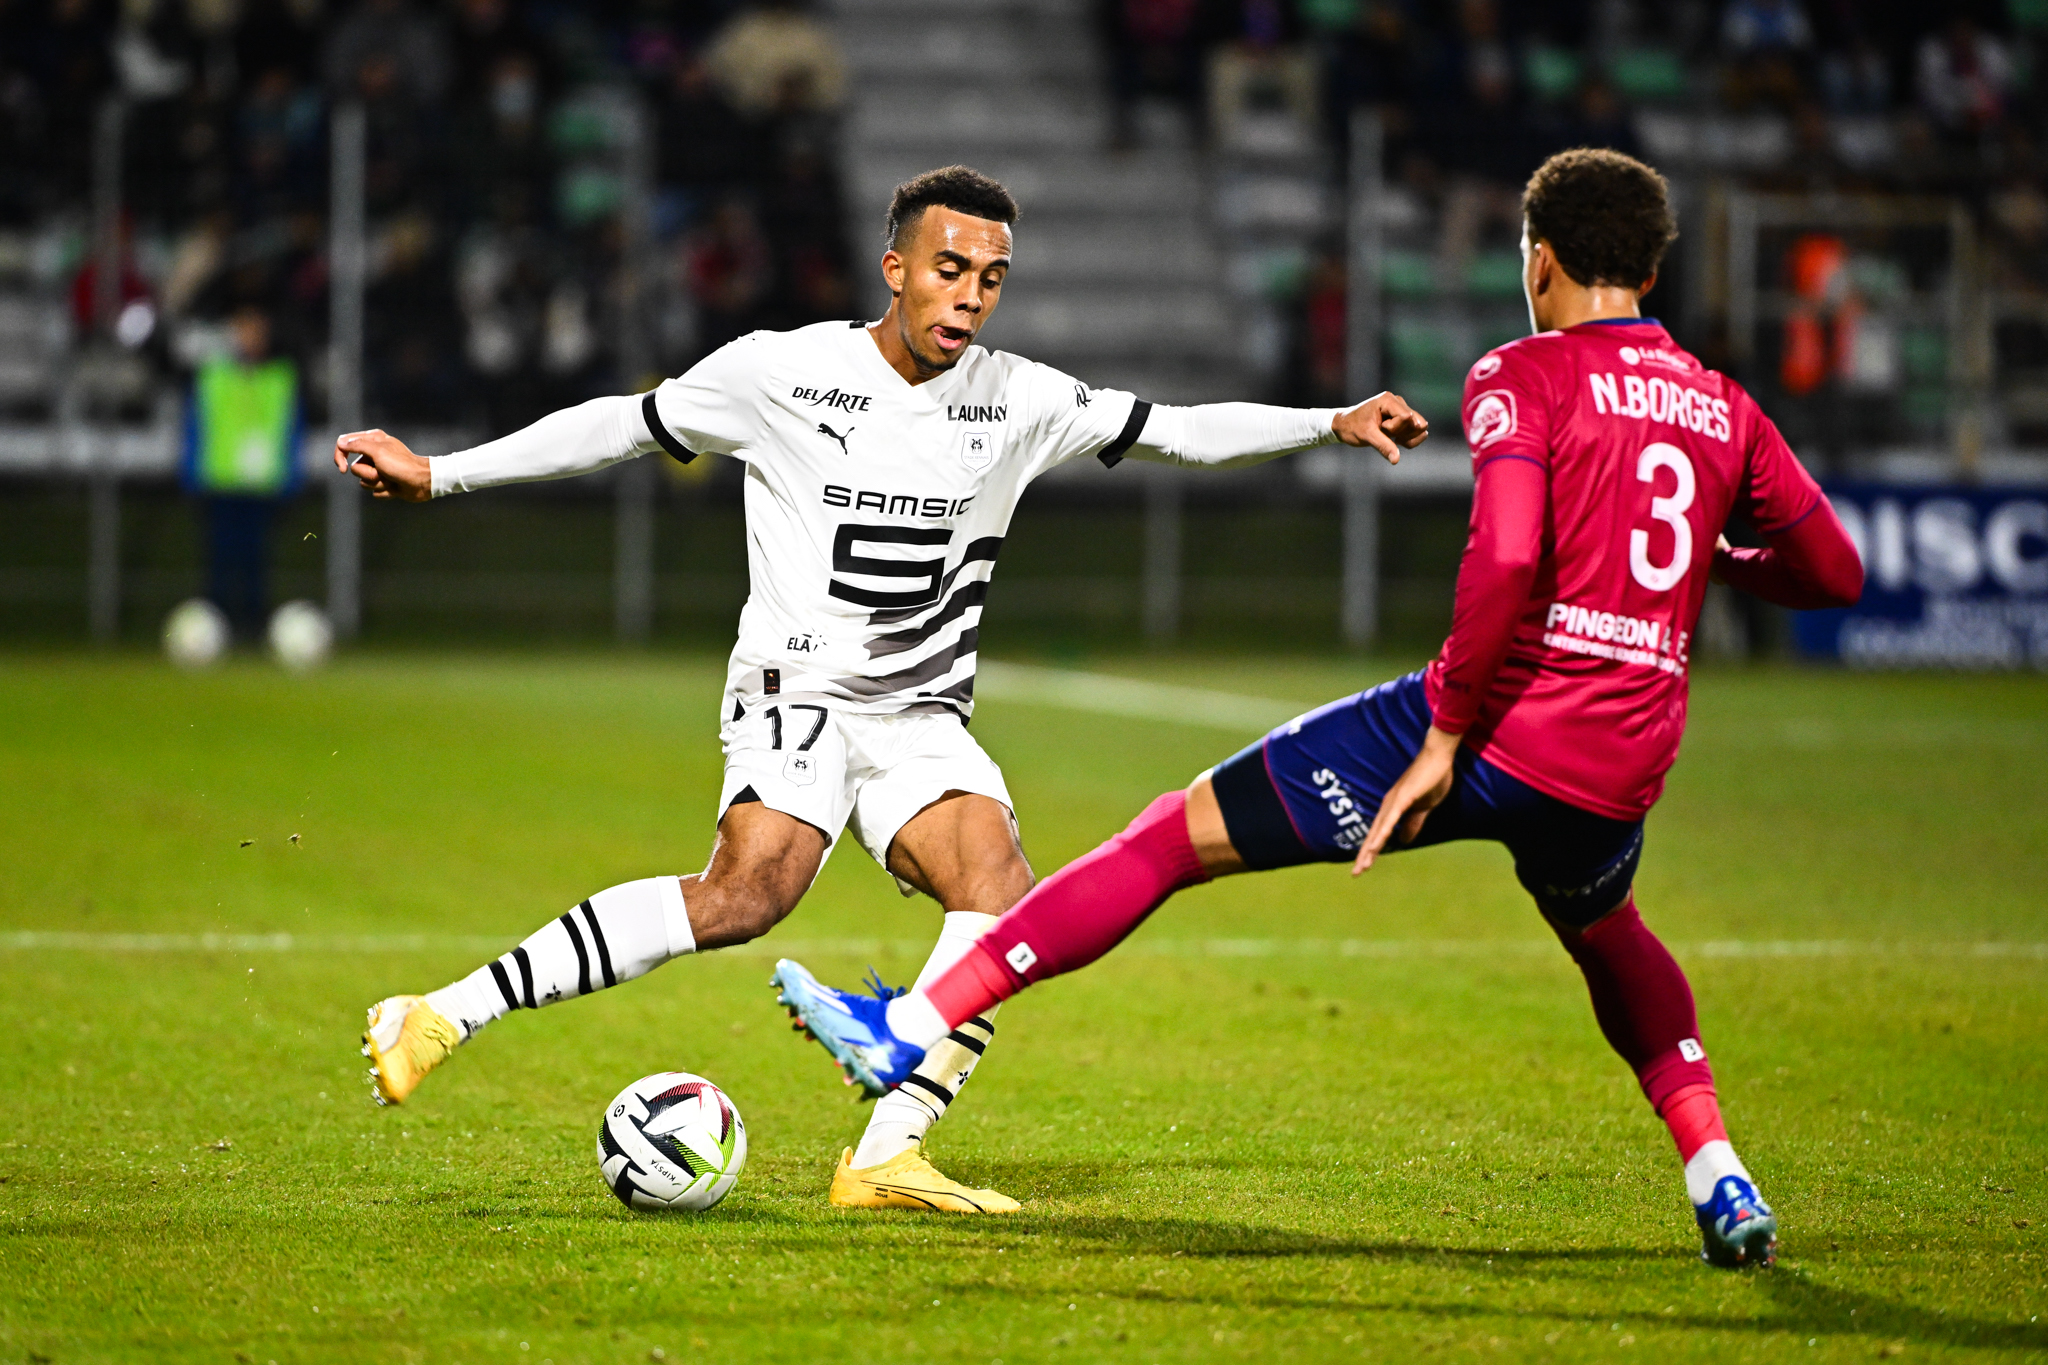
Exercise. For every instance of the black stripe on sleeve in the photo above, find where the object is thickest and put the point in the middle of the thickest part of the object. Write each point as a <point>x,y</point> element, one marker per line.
<point>945,1096</point>
<point>968,1041</point>
<point>525,975</point>
<point>504,985</point>
<point>1113,453</point>
<point>604,954</point>
<point>983,1023</point>
<point>582,957</point>
<point>682,453</point>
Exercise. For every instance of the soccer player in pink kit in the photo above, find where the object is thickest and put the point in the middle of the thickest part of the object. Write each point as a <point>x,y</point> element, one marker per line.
<point>1607,461</point>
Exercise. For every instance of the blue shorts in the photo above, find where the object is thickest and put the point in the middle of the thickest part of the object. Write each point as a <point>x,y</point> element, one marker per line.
<point>1308,792</point>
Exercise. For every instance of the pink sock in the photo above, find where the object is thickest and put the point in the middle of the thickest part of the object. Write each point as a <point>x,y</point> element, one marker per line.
<point>1644,1005</point>
<point>1693,1114</point>
<point>1077,914</point>
<point>971,985</point>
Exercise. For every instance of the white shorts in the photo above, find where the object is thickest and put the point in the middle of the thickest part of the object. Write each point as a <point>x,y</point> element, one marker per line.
<point>844,770</point>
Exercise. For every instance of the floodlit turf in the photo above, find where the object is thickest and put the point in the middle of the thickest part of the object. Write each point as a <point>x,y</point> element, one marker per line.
<point>1295,1118</point>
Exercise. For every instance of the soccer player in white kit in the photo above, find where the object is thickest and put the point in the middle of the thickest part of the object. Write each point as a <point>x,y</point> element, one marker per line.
<point>883,463</point>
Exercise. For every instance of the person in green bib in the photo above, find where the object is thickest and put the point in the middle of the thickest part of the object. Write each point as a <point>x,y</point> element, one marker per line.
<point>242,431</point>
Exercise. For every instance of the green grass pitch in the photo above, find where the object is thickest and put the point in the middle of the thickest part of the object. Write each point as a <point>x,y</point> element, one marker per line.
<point>1295,1118</point>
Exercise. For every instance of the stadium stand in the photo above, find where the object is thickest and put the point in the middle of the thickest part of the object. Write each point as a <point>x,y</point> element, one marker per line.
<point>492,193</point>
<point>1865,233</point>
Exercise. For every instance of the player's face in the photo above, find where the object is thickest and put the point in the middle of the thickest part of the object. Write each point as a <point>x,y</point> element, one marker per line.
<point>947,279</point>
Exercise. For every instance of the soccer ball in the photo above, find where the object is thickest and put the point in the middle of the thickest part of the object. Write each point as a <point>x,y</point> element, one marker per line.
<point>300,636</point>
<point>195,633</point>
<point>671,1141</point>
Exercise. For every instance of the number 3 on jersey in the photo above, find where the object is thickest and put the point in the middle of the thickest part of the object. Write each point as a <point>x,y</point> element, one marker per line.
<point>1669,510</point>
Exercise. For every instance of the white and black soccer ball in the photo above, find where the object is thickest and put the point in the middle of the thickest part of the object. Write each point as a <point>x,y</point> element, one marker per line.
<point>671,1141</point>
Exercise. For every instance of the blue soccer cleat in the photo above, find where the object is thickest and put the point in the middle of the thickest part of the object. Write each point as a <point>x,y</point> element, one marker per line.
<point>853,1028</point>
<point>1738,1228</point>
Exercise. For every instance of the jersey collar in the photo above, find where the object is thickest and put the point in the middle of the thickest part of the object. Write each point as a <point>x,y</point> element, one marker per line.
<point>925,394</point>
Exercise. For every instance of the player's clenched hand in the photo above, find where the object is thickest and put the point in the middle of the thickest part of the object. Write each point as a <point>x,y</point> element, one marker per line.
<point>386,467</point>
<point>1721,548</point>
<point>1409,801</point>
<point>1385,422</point>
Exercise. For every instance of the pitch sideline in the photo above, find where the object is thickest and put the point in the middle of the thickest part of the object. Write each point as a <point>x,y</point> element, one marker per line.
<point>1110,695</point>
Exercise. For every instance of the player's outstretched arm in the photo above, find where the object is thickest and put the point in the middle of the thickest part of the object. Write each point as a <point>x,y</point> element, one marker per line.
<point>1234,434</point>
<point>572,441</point>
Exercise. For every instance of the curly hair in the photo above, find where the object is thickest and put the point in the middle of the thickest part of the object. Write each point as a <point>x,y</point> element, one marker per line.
<point>960,188</point>
<point>1607,216</point>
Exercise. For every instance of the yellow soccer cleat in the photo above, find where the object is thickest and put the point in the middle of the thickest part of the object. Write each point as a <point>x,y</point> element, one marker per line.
<point>406,1039</point>
<point>908,1181</point>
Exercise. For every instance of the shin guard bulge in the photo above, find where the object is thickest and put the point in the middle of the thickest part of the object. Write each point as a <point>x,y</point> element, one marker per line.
<point>1076,915</point>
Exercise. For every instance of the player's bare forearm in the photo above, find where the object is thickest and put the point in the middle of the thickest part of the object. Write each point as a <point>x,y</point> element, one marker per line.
<point>1385,422</point>
<point>384,465</point>
<point>1409,801</point>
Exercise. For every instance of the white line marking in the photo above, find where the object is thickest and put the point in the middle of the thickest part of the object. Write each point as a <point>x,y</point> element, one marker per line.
<point>1113,695</point>
<point>34,941</point>
<point>1110,695</point>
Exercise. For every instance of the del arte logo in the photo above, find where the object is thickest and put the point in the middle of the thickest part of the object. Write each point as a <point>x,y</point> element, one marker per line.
<point>1487,368</point>
<point>1492,416</point>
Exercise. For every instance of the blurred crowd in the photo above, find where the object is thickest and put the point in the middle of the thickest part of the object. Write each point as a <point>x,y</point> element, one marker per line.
<point>500,155</point>
<point>1811,97</point>
<point>1486,88</point>
<point>500,162</point>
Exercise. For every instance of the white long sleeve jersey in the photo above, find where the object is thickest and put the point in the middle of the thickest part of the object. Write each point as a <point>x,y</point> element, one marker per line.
<point>875,508</point>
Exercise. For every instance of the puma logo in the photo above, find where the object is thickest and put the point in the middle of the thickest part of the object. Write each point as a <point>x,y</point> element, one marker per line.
<point>824,430</point>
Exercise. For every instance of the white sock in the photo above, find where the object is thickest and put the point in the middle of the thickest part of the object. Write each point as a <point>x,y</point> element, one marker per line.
<point>1711,1162</point>
<point>916,1020</point>
<point>904,1115</point>
<point>616,935</point>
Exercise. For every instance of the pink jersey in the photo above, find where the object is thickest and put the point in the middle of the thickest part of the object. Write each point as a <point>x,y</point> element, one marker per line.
<point>1606,462</point>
